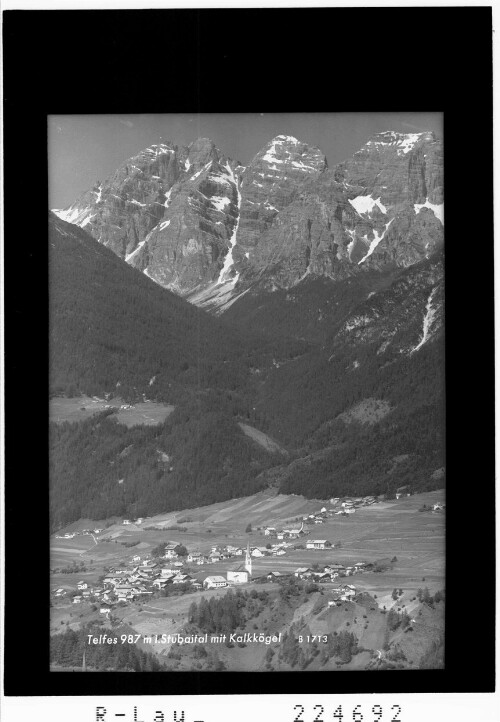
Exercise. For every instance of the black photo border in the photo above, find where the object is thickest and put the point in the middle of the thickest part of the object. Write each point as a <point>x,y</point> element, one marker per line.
<point>316,60</point>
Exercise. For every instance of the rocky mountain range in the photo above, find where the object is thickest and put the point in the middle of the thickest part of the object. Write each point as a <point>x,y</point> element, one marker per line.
<point>213,230</point>
<point>303,301</point>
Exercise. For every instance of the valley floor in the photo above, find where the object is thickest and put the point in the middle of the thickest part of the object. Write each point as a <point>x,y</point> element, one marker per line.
<point>395,530</point>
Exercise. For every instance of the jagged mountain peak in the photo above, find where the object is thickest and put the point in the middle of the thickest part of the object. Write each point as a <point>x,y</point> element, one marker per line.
<point>403,143</point>
<point>290,150</point>
<point>199,223</point>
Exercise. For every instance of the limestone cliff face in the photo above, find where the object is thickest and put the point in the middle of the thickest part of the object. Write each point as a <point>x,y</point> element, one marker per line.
<point>210,229</point>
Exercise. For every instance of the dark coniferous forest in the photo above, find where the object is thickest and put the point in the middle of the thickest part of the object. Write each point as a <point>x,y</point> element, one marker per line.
<point>110,325</point>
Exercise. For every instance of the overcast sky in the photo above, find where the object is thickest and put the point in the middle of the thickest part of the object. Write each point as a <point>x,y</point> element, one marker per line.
<point>85,148</point>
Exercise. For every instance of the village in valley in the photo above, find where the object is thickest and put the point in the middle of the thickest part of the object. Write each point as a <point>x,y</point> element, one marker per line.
<point>139,573</point>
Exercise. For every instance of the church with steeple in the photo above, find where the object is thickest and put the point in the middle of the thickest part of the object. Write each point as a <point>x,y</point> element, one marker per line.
<point>243,573</point>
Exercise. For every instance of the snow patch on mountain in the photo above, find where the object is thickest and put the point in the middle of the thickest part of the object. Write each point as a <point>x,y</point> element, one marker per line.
<point>167,198</point>
<point>86,220</point>
<point>437,209</point>
<point>365,204</point>
<point>219,178</point>
<point>202,170</point>
<point>78,216</point>
<point>132,255</point>
<point>219,202</point>
<point>228,261</point>
<point>429,317</point>
<point>375,242</point>
<point>403,142</point>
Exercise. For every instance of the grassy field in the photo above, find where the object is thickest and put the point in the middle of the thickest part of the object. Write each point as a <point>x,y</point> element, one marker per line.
<point>75,409</point>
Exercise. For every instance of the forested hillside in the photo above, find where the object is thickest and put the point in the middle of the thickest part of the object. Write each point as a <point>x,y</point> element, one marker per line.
<point>112,327</point>
<point>302,366</point>
<point>101,468</point>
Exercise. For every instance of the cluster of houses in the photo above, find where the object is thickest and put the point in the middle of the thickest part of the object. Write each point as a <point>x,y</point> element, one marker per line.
<point>340,506</point>
<point>344,593</point>
<point>349,505</point>
<point>125,585</point>
<point>83,532</point>
<point>331,571</point>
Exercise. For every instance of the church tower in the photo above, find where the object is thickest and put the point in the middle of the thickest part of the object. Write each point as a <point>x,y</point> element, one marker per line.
<point>248,561</point>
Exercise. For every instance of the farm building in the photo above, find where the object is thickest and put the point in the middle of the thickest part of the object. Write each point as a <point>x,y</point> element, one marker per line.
<point>259,552</point>
<point>316,544</point>
<point>302,572</point>
<point>214,582</point>
<point>273,576</point>
<point>182,579</point>
<point>162,582</point>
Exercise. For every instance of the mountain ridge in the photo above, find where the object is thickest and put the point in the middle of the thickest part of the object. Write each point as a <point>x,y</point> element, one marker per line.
<point>212,230</point>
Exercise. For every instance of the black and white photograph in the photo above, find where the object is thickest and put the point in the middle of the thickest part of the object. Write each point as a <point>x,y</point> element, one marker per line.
<point>249,376</point>
<point>247,426</point>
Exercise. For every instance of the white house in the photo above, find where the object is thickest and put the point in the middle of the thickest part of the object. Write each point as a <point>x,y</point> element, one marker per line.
<point>82,585</point>
<point>316,544</point>
<point>214,582</point>
<point>170,553</point>
<point>301,571</point>
<point>258,552</point>
<point>269,530</point>
<point>181,579</point>
<point>127,521</point>
<point>162,582</point>
<point>77,600</point>
<point>237,577</point>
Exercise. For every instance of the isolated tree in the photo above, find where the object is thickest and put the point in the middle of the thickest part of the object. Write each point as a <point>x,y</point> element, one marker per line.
<point>248,529</point>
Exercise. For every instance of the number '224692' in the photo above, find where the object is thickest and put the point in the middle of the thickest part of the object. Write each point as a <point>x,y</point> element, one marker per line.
<point>358,715</point>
